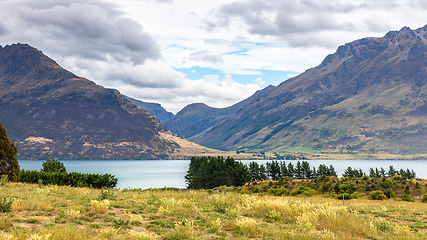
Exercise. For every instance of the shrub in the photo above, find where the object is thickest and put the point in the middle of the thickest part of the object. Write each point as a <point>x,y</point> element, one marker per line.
<point>106,194</point>
<point>73,179</point>
<point>389,193</point>
<point>119,223</point>
<point>279,191</point>
<point>100,206</point>
<point>303,190</point>
<point>4,180</point>
<point>247,225</point>
<point>424,198</point>
<point>407,197</point>
<point>5,205</point>
<point>345,196</point>
<point>377,195</point>
<point>396,178</point>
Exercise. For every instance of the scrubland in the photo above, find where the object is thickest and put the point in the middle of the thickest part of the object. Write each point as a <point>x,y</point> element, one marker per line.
<point>62,212</point>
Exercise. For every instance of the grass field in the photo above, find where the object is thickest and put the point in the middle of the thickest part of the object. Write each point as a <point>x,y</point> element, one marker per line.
<point>52,212</point>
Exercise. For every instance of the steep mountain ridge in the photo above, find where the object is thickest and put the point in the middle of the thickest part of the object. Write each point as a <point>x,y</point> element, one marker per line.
<point>369,96</point>
<point>154,109</point>
<point>50,112</point>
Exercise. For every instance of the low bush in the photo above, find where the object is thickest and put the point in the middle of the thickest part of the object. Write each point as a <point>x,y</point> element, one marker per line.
<point>424,198</point>
<point>4,180</point>
<point>303,190</point>
<point>5,205</point>
<point>73,179</point>
<point>407,197</point>
<point>377,195</point>
<point>100,206</point>
<point>345,196</point>
<point>107,194</point>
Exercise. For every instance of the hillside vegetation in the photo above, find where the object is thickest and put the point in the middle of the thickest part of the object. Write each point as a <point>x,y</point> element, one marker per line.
<point>61,212</point>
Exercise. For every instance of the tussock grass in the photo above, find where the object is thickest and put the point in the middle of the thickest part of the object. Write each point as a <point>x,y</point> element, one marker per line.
<point>77,213</point>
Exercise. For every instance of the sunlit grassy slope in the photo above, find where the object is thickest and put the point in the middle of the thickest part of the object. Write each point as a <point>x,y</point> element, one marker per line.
<point>51,212</point>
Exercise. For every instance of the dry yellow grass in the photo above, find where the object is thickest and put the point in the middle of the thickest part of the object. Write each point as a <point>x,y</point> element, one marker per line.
<point>70,213</point>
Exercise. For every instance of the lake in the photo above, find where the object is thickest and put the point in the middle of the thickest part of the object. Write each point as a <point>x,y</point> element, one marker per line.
<point>170,173</point>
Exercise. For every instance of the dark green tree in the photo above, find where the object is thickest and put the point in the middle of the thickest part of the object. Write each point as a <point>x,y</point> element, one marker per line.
<point>391,172</point>
<point>298,171</point>
<point>273,170</point>
<point>262,172</point>
<point>210,172</point>
<point>306,171</point>
<point>254,171</point>
<point>372,173</point>
<point>291,170</point>
<point>322,170</point>
<point>283,169</point>
<point>332,171</point>
<point>8,163</point>
<point>52,165</point>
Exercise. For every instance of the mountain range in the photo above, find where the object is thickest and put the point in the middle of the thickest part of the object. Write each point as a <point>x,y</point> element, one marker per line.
<point>368,97</point>
<point>50,112</point>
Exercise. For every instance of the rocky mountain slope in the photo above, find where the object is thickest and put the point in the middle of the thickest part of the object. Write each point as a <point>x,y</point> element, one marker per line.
<point>154,109</point>
<point>50,112</point>
<point>369,96</point>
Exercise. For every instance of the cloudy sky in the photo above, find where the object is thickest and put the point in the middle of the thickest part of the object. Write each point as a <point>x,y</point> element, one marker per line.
<point>176,52</point>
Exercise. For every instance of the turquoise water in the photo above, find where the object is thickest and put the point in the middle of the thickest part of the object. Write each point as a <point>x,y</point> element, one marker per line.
<point>170,173</point>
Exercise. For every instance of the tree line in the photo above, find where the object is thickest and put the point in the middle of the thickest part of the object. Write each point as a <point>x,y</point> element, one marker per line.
<point>211,172</point>
<point>352,172</point>
<point>54,172</point>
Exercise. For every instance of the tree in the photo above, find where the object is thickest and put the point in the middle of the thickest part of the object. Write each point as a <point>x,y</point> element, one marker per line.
<point>298,171</point>
<point>306,171</point>
<point>291,170</point>
<point>262,172</point>
<point>273,170</point>
<point>8,163</point>
<point>391,172</point>
<point>53,166</point>
<point>210,172</point>
<point>254,171</point>
<point>284,170</point>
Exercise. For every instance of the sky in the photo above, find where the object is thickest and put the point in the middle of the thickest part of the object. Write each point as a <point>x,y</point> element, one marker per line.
<point>177,52</point>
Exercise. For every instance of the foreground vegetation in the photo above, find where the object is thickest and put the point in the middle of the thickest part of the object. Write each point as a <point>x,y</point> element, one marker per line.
<point>63,212</point>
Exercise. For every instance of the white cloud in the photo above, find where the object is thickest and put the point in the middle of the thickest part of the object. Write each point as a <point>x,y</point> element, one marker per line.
<point>135,45</point>
<point>260,82</point>
<point>93,30</point>
<point>217,93</point>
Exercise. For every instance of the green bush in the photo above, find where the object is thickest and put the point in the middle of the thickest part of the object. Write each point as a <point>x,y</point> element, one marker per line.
<point>408,198</point>
<point>5,205</point>
<point>303,190</point>
<point>106,194</point>
<point>4,180</point>
<point>73,179</point>
<point>377,195</point>
<point>424,198</point>
<point>389,193</point>
<point>345,196</point>
<point>278,191</point>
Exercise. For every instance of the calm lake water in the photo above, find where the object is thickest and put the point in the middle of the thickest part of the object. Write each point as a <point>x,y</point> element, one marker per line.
<point>170,173</point>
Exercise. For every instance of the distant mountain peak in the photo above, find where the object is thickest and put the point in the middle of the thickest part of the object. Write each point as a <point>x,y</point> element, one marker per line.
<point>154,109</point>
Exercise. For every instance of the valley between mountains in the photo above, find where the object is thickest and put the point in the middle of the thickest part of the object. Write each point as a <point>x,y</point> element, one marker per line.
<point>366,100</point>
